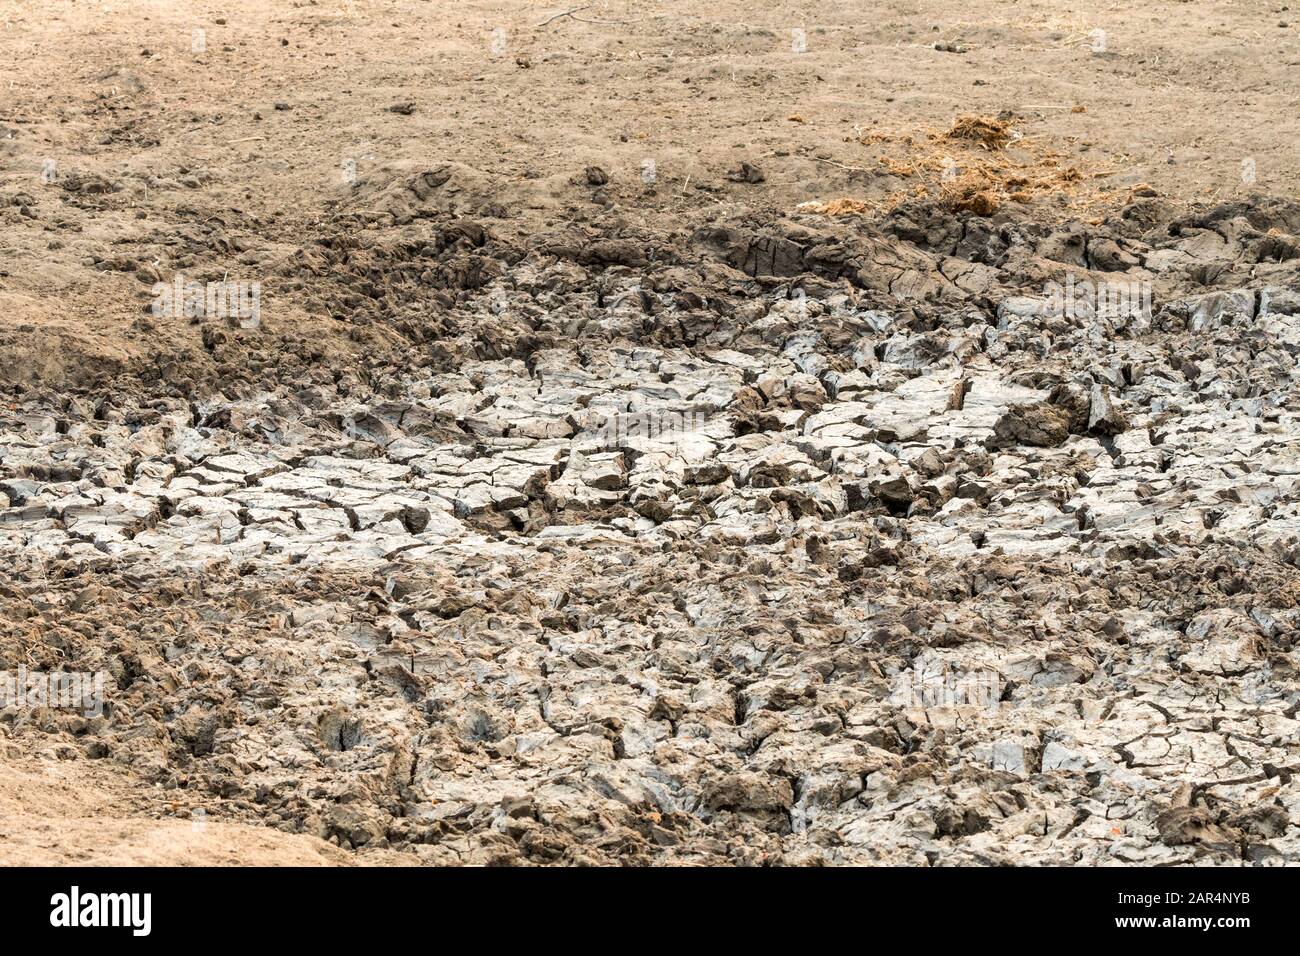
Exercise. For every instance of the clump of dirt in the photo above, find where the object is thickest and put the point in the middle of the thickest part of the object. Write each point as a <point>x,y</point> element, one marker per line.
<point>973,191</point>
<point>986,131</point>
<point>969,168</point>
<point>983,189</point>
<point>844,206</point>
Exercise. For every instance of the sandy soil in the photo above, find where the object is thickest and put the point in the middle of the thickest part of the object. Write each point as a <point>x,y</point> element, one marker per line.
<point>368,591</point>
<point>225,162</point>
<point>81,814</point>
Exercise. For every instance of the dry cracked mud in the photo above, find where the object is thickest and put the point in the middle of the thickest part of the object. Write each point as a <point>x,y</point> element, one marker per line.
<point>670,532</point>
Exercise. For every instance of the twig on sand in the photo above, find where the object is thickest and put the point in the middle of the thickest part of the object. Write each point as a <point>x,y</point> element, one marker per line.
<point>831,162</point>
<point>565,13</point>
<point>585,20</point>
<point>571,15</point>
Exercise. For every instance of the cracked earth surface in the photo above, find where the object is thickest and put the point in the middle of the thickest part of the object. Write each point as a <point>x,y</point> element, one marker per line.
<point>472,610</point>
<point>553,515</point>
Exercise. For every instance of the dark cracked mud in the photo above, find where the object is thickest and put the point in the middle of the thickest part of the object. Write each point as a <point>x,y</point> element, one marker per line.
<point>766,539</point>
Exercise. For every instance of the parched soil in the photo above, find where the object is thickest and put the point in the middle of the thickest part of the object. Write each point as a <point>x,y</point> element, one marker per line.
<point>661,439</point>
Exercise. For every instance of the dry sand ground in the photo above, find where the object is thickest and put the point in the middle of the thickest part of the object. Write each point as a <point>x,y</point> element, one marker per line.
<point>207,169</point>
<point>636,653</point>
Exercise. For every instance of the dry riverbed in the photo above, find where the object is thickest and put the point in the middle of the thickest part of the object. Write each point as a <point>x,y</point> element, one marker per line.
<point>901,475</point>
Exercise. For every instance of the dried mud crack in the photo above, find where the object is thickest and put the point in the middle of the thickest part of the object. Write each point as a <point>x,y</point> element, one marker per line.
<point>771,540</point>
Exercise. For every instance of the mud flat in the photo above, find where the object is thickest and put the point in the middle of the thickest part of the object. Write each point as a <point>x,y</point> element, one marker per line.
<point>952,528</point>
<point>776,544</point>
